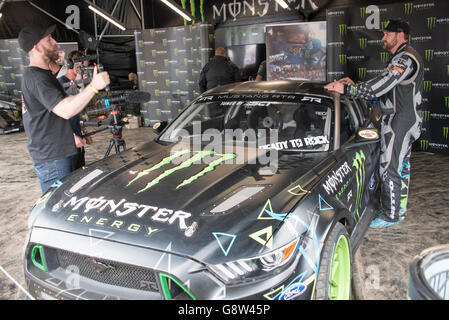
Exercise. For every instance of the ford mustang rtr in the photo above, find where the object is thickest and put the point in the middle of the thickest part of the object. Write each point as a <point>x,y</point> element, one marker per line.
<point>256,190</point>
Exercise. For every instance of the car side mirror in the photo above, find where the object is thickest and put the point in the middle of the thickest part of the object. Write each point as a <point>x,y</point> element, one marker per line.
<point>364,136</point>
<point>159,126</point>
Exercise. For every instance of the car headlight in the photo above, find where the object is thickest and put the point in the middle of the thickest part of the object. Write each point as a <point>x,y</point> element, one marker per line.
<point>255,268</point>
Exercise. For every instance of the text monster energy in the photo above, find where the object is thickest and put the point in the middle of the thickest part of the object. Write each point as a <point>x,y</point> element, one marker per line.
<point>199,155</point>
<point>359,164</point>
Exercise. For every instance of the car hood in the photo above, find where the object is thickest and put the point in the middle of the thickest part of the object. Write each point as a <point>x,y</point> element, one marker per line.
<point>158,197</point>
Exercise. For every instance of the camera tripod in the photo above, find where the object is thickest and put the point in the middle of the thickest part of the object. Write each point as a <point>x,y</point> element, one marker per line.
<point>116,129</point>
<point>115,125</point>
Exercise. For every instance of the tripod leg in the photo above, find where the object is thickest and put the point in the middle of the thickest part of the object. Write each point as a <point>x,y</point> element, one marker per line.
<point>111,142</point>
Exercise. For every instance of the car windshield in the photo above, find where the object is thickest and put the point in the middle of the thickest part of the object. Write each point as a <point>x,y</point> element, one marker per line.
<point>275,125</point>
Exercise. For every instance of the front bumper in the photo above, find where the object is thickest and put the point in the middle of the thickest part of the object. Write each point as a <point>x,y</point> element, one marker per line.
<point>90,267</point>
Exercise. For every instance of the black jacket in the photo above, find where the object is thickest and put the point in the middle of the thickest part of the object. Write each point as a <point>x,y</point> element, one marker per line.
<point>219,71</point>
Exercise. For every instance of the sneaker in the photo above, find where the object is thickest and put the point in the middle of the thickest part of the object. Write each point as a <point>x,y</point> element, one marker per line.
<point>380,223</point>
<point>401,216</point>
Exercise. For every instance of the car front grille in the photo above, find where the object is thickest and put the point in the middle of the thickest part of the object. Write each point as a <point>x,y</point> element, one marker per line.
<point>108,272</point>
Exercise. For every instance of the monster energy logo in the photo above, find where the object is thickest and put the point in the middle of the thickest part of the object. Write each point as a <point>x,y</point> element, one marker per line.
<point>359,164</point>
<point>363,42</point>
<point>198,156</point>
<point>408,7</point>
<point>384,24</point>
<point>427,85</point>
<point>429,54</point>
<point>363,12</point>
<point>446,102</point>
<point>362,73</point>
<point>383,56</point>
<point>431,21</point>
<point>424,144</point>
<point>342,58</point>
<point>343,28</point>
<point>445,132</point>
<point>426,115</point>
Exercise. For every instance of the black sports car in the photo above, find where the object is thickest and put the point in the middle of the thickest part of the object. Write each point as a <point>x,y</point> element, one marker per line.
<point>257,190</point>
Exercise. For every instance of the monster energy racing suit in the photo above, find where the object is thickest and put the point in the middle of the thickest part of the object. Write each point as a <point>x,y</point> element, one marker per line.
<point>399,88</point>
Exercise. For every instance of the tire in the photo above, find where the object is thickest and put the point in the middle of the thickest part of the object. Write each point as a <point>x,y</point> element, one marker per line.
<point>335,273</point>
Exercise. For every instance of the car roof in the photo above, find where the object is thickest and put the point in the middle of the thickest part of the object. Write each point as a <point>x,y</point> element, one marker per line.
<point>279,86</point>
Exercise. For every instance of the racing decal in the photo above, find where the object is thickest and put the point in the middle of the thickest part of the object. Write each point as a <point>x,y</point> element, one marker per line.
<point>267,240</point>
<point>336,178</point>
<point>359,164</point>
<point>266,207</point>
<point>222,238</point>
<point>323,204</point>
<point>295,288</point>
<point>298,191</point>
<point>296,143</point>
<point>311,99</point>
<point>123,208</point>
<point>199,155</point>
<point>368,134</point>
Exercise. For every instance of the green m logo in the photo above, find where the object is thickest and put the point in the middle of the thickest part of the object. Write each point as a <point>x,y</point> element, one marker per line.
<point>445,132</point>
<point>425,115</point>
<point>343,29</point>
<point>9,59</point>
<point>427,85</point>
<point>362,73</point>
<point>408,7</point>
<point>363,42</point>
<point>229,33</point>
<point>424,144</point>
<point>362,12</point>
<point>383,56</point>
<point>176,52</point>
<point>155,73</point>
<point>166,62</point>
<point>431,21</point>
<point>167,83</point>
<point>142,63</point>
<point>140,43</point>
<point>169,102</point>
<point>359,164</point>
<point>158,112</point>
<point>384,24</point>
<point>197,156</point>
<point>446,102</point>
<point>429,54</point>
<point>144,83</point>
<point>342,58</point>
<point>153,53</point>
<point>152,32</point>
<point>164,42</point>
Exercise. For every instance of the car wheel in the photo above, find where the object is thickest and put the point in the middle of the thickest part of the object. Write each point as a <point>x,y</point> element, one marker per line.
<point>334,276</point>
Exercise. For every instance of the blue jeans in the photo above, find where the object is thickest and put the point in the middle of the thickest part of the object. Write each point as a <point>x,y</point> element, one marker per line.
<point>50,172</point>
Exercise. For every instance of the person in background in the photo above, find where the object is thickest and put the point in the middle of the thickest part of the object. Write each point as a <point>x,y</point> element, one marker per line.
<point>262,71</point>
<point>46,109</point>
<point>133,77</point>
<point>399,89</point>
<point>69,83</point>
<point>219,71</point>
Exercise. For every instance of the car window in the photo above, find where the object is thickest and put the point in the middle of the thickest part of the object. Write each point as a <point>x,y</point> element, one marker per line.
<point>273,124</point>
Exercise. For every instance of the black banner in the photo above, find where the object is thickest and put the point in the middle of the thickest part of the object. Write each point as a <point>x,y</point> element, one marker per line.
<point>355,50</point>
<point>169,62</point>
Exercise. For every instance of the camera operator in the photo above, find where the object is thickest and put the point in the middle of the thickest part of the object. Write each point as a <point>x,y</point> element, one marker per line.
<point>46,108</point>
<point>69,82</point>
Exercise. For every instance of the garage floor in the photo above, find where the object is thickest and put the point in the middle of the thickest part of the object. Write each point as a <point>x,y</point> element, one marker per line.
<point>382,260</point>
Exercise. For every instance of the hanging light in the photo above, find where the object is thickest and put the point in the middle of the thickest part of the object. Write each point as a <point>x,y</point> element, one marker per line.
<point>175,7</point>
<point>105,15</point>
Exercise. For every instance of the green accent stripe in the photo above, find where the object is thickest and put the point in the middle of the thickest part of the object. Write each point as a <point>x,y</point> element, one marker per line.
<point>209,168</point>
<point>42,266</point>
<point>166,291</point>
<point>185,164</point>
<point>164,162</point>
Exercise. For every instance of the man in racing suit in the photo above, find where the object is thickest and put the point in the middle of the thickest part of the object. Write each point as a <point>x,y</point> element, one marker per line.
<point>400,89</point>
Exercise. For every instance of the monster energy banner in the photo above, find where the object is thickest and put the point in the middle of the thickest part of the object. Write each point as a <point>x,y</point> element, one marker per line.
<point>169,62</point>
<point>355,50</point>
<point>12,63</point>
